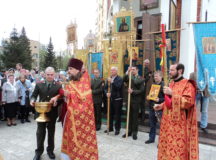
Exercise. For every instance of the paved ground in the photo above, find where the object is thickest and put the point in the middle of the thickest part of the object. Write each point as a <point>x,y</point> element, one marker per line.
<point>18,143</point>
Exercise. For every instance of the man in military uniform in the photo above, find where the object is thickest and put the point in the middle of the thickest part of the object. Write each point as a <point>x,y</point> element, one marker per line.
<point>48,92</point>
<point>136,90</point>
<point>97,92</point>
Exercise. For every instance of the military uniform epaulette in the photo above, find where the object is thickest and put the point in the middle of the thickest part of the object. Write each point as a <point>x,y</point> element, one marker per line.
<point>57,82</point>
<point>40,82</point>
<point>54,82</point>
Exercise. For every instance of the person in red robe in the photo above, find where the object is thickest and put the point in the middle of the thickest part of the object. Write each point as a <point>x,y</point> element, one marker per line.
<point>79,133</point>
<point>178,138</point>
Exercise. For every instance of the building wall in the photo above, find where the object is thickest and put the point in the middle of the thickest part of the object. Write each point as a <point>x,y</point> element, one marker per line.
<point>101,23</point>
<point>210,7</point>
<point>35,51</point>
<point>187,46</point>
<point>164,9</point>
<point>139,13</point>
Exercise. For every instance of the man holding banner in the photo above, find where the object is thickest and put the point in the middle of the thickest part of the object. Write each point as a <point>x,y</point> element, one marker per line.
<point>136,90</point>
<point>116,99</point>
<point>178,132</point>
<point>97,92</point>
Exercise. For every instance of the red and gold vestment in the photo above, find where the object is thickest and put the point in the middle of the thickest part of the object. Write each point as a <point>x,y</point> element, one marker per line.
<point>178,138</point>
<point>79,135</point>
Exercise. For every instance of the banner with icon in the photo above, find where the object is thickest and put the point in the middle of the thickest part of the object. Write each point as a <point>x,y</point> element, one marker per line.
<point>205,42</point>
<point>171,50</point>
<point>95,62</point>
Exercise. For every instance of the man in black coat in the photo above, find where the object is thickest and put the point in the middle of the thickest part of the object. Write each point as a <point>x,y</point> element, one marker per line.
<point>147,75</point>
<point>97,92</point>
<point>48,92</point>
<point>116,99</point>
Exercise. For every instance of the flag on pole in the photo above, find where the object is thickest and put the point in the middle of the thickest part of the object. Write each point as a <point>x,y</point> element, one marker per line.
<point>205,42</point>
<point>95,62</point>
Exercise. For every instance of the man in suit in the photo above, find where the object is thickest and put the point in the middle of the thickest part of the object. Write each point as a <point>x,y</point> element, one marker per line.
<point>48,92</point>
<point>136,90</point>
<point>97,92</point>
<point>116,99</point>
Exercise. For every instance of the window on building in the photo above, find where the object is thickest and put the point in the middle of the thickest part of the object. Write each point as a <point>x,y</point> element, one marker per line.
<point>35,56</point>
<point>172,15</point>
<point>139,30</point>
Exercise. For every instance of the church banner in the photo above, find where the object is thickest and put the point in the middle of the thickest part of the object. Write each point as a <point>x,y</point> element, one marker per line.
<point>82,54</point>
<point>205,42</point>
<point>71,33</point>
<point>137,59</point>
<point>95,62</point>
<point>113,58</point>
<point>172,48</point>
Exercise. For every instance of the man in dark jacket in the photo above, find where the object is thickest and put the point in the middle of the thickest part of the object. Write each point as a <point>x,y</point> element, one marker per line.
<point>97,92</point>
<point>136,90</point>
<point>116,99</point>
<point>48,92</point>
<point>202,97</point>
<point>147,74</point>
<point>154,116</point>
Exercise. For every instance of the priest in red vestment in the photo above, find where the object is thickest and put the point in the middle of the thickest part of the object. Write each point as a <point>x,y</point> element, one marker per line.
<point>178,138</point>
<point>79,134</point>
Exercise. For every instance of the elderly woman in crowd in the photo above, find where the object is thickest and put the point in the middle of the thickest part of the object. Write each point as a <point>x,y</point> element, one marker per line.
<point>24,87</point>
<point>10,99</point>
<point>62,76</point>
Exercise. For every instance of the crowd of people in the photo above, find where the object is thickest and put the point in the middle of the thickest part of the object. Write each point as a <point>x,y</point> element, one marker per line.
<point>16,87</point>
<point>83,101</point>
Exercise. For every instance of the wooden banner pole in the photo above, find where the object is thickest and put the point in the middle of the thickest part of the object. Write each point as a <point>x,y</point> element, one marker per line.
<point>129,94</point>
<point>109,91</point>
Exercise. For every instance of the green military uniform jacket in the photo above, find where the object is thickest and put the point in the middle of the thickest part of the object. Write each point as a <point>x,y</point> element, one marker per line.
<point>97,90</point>
<point>137,85</point>
<point>45,94</point>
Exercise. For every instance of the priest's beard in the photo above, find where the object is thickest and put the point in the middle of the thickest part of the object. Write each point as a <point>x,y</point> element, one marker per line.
<point>76,77</point>
<point>175,76</point>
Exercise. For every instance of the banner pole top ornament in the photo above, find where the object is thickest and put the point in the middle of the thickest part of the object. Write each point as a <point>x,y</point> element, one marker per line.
<point>163,55</point>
